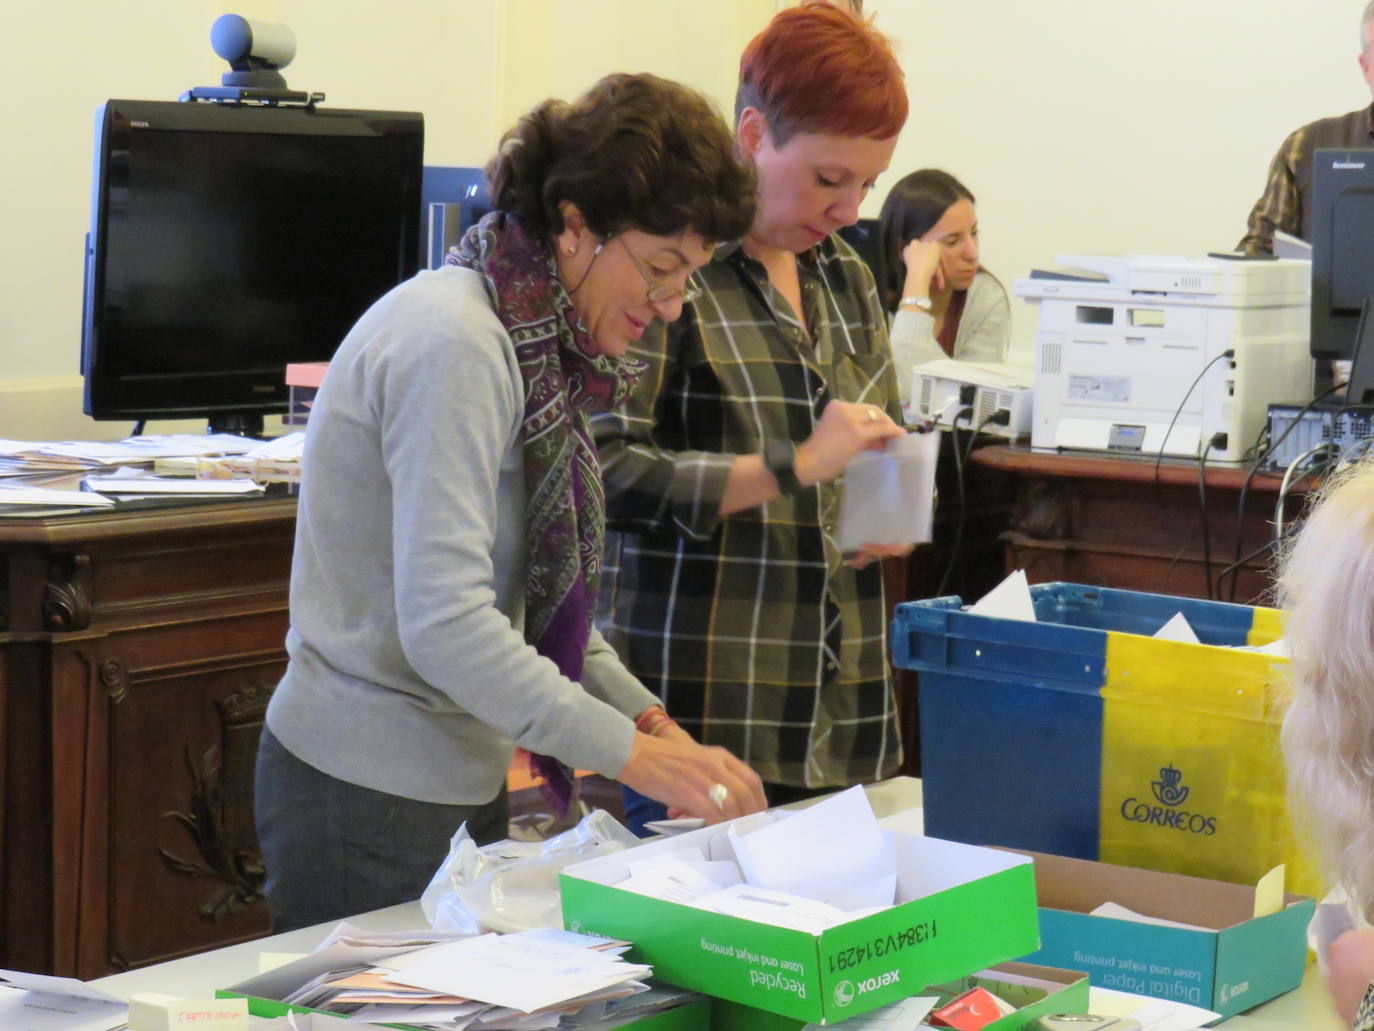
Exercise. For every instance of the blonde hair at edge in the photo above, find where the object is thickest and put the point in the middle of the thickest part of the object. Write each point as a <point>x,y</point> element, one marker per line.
<point>1326,589</point>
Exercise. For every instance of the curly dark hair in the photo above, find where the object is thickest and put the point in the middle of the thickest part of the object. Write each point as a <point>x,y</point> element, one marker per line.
<point>634,152</point>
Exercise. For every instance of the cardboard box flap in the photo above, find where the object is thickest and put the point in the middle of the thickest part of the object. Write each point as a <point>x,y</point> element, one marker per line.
<point>1081,885</point>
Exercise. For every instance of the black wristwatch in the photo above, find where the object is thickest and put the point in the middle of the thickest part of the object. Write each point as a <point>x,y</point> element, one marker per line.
<point>780,459</point>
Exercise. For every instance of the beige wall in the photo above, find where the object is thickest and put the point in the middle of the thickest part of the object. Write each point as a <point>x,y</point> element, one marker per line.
<point>470,65</point>
<point>1080,125</point>
<point>1113,127</point>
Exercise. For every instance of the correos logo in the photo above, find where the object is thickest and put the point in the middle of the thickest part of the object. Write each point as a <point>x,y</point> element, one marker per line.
<point>1170,792</point>
<point>1168,789</point>
<point>844,993</point>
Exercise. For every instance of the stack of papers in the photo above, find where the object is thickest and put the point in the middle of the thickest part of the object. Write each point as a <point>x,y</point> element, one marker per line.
<point>39,475</point>
<point>126,482</point>
<point>270,461</point>
<point>807,870</point>
<point>537,979</point>
<point>40,1002</point>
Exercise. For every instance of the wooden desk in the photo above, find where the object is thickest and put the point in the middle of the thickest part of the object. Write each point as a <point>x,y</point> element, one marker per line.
<point>137,651</point>
<point>1110,522</point>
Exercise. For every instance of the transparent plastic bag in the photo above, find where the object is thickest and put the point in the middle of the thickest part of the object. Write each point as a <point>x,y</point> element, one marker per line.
<point>512,886</point>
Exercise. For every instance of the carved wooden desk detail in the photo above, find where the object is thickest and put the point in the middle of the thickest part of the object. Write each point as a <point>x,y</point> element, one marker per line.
<point>137,652</point>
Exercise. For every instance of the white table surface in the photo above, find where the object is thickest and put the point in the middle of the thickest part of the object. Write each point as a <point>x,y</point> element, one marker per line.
<point>1307,1007</point>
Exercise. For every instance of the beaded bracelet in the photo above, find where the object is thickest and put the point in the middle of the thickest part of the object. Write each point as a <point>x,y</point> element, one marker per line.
<point>652,720</point>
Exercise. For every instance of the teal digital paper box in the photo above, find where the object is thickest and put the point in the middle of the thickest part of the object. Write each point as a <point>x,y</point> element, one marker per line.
<point>1232,962</point>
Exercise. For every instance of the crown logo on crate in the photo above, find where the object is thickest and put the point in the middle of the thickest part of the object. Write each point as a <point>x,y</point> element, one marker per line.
<point>1168,788</point>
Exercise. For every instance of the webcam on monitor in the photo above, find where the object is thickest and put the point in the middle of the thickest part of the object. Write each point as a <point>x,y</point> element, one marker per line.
<point>257,51</point>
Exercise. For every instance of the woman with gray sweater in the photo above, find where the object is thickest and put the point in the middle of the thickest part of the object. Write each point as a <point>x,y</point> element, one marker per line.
<point>942,302</point>
<point>449,535</point>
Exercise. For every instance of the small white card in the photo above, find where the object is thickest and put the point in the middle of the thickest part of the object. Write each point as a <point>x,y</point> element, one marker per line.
<point>1011,599</point>
<point>1177,629</point>
<point>209,1014</point>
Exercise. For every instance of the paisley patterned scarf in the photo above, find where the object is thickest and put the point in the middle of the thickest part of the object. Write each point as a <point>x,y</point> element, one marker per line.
<point>565,380</point>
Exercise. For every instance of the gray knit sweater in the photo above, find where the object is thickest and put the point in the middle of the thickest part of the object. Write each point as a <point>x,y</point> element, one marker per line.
<point>409,672</point>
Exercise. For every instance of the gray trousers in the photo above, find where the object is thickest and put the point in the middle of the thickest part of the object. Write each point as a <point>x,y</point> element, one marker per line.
<point>334,849</point>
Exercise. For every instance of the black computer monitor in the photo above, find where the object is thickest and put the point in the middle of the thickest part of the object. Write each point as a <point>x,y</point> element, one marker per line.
<point>228,241</point>
<point>1342,247</point>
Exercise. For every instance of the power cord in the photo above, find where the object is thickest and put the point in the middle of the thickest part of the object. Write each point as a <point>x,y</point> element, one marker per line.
<point>965,410</point>
<point>1258,464</point>
<point>1159,457</point>
<point>1289,479</point>
<point>1217,440</point>
<point>1000,417</point>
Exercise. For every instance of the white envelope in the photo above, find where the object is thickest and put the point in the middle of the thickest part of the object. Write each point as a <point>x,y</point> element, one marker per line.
<point>889,496</point>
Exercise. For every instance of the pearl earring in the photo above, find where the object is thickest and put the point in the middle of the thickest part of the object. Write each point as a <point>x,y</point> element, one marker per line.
<point>570,251</point>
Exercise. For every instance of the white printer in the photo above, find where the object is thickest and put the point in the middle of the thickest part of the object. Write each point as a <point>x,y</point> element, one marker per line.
<point>1122,338</point>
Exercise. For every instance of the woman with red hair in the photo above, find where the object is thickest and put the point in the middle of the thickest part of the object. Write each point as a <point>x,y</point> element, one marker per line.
<point>733,601</point>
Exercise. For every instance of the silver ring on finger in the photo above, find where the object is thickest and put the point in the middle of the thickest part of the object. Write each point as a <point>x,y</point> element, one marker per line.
<point>718,794</point>
<point>873,415</point>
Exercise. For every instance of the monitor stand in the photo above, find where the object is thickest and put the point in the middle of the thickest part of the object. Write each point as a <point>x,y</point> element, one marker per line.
<point>243,424</point>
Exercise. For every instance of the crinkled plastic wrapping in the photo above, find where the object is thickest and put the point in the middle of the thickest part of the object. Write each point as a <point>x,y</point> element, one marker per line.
<point>512,886</point>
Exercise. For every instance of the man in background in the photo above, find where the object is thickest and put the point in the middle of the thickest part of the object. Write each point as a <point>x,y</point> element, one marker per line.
<point>1285,204</point>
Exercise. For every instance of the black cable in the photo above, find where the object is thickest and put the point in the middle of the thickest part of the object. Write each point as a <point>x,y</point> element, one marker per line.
<point>1000,417</point>
<point>1260,459</point>
<point>1239,564</point>
<point>138,428</point>
<point>1159,457</point>
<point>1216,440</point>
<point>959,494</point>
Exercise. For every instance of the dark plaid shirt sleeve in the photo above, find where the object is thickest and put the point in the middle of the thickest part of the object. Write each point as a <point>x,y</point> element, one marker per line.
<point>649,487</point>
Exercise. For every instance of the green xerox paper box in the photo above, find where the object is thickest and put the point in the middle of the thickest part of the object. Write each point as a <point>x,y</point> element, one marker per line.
<point>671,1011</point>
<point>959,908</point>
<point>1226,959</point>
<point>1035,992</point>
<point>691,1016</point>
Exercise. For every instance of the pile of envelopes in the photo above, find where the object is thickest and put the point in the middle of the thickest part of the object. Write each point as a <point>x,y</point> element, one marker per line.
<point>533,980</point>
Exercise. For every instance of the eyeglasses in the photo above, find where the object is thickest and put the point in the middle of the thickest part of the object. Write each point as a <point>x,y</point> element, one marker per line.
<point>660,292</point>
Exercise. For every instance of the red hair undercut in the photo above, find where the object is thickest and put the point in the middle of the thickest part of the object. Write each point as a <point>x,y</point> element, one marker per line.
<point>820,68</point>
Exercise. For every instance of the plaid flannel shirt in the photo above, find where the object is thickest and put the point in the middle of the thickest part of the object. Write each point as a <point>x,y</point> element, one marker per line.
<point>1284,203</point>
<point>750,627</point>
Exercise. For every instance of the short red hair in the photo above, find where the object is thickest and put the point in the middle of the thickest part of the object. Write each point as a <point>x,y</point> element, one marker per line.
<point>820,68</point>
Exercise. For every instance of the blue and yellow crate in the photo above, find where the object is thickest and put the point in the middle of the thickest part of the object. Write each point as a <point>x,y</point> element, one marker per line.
<point>1082,735</point>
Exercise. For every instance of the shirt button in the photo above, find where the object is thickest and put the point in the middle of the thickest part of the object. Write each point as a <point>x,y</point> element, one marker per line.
<point>830,667</point>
